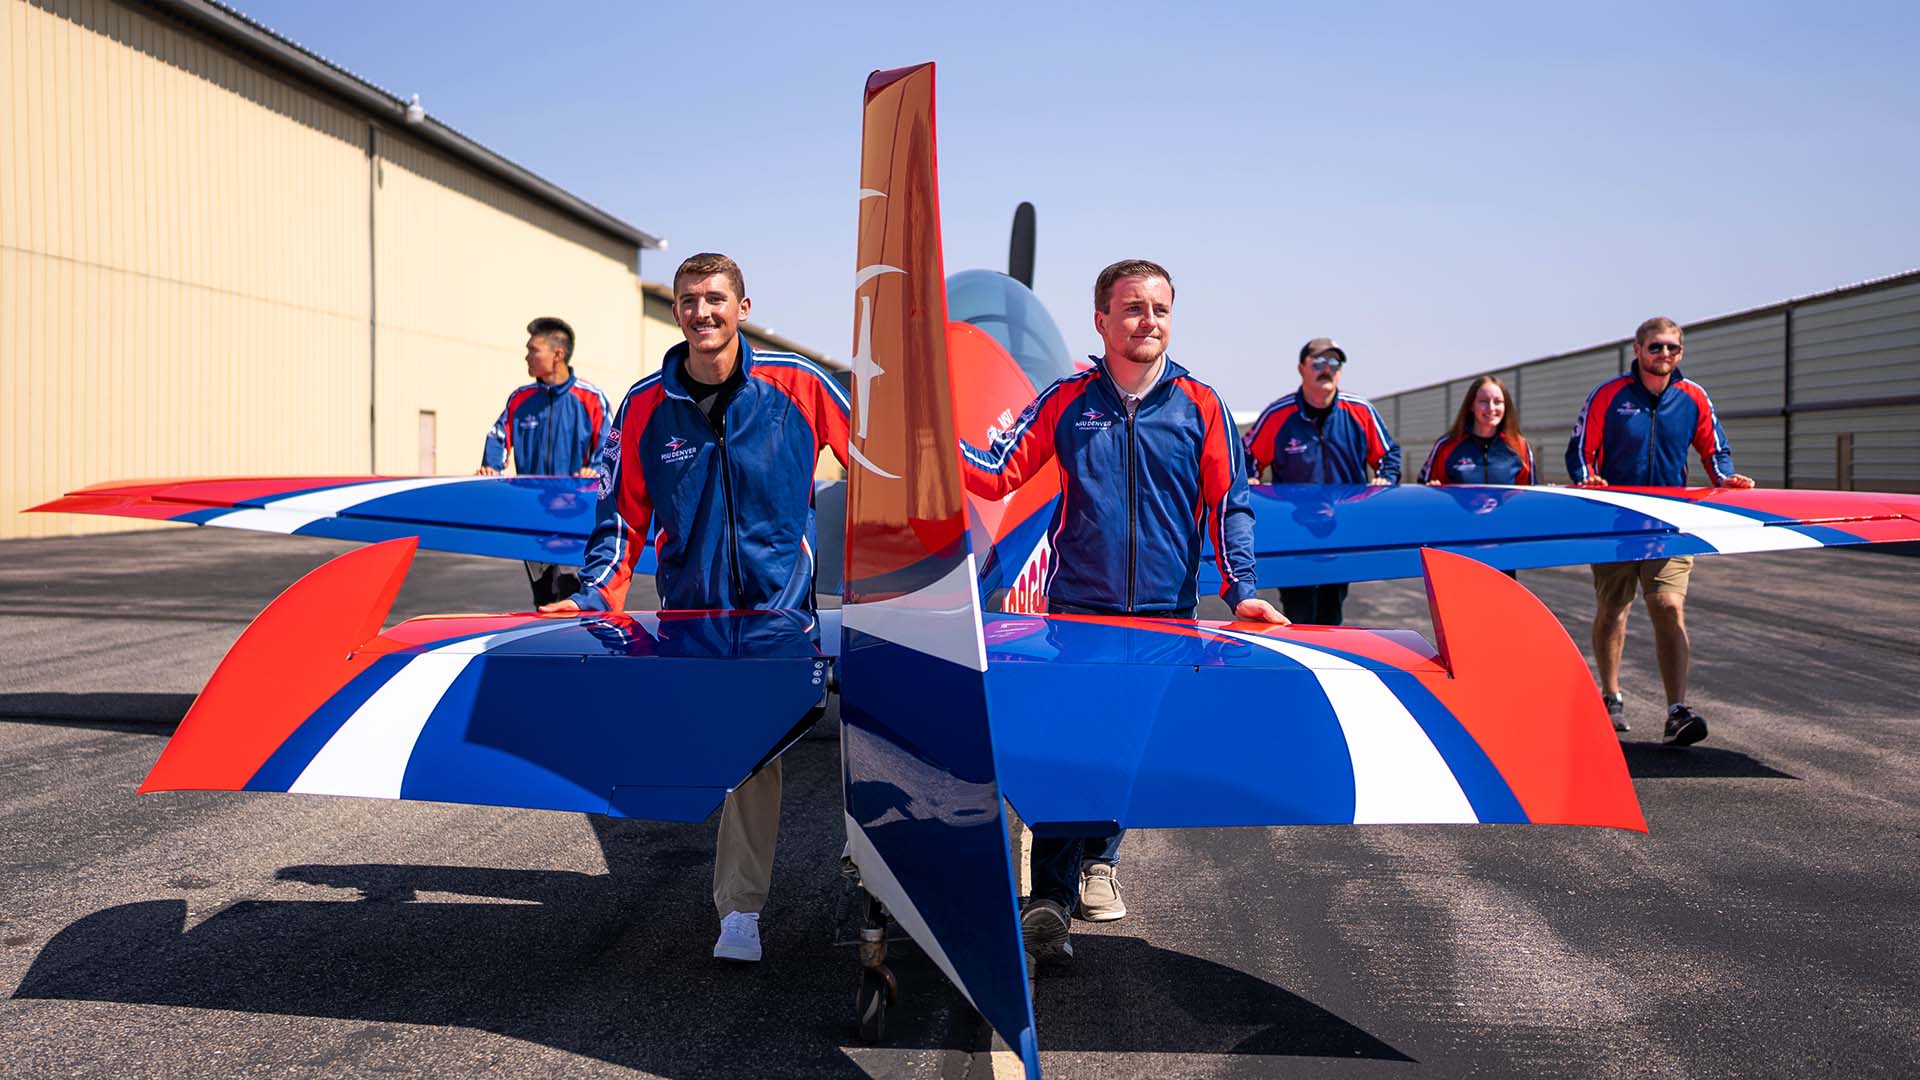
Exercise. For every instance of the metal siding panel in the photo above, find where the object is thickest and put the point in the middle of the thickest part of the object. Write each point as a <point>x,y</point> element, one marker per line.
<point>1758,446</point>
<point>1858,346</point>
<point>1741,364</point>
<point>158,193</point>
<point>1886,448</point>
<point>1551,396</point>
<point>452,344</point>
<point>1423,417</point>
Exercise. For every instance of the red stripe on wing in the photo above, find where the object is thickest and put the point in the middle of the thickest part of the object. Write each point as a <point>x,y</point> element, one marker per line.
<point>296,655</point>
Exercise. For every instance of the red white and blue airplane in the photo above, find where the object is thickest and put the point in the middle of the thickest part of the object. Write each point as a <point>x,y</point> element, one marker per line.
<point>947,709</point>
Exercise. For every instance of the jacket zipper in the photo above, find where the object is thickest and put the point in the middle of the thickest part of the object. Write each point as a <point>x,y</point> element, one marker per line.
<point>552,411</point>
<point>726,494</point>
<point>1653,430</point>
<point>1132,487</point>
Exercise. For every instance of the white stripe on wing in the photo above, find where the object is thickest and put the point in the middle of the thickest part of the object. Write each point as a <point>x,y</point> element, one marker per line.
<point>1399,776</point>
<point>368,756</point>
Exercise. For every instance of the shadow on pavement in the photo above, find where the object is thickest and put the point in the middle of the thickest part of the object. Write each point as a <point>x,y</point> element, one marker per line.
<point>138,713</point>
<point>1654,761</point>
<point>570,960</point>
<point>580,962</point>
<point>1122,994</point>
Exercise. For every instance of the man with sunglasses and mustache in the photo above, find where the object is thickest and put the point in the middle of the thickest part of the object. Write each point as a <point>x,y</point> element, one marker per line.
<point>1635,429</point>
<point>1317,435</point>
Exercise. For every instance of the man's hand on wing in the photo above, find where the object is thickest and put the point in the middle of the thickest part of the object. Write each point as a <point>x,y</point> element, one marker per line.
<point>486,470</point>
<point>1737,480</point>
<point>1379,481</point>
<point>1592,481</point>
<point>559,607</point>
<point>1254,609</point>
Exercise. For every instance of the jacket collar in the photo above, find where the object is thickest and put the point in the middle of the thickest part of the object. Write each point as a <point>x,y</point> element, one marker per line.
<point>1300,399</point>
<point>676,362</point>
<point>559,388</point>
<point>1168,372</point>
<point>1674,380</point>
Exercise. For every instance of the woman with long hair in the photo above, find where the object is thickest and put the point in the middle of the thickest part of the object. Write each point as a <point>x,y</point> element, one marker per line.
<point>1484,445</point>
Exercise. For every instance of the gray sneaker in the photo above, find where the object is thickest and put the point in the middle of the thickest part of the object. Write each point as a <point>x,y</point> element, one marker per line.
<point>1043,930</point>
<point>1616,710</point>
<point>1100,893</point>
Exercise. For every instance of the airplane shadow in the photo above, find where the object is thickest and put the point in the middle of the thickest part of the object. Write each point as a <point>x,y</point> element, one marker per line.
<point>602,968</point>
<point>1654,761</point>
<point>1122,994</point>
<point>135,713</point>
<point>570,960</point>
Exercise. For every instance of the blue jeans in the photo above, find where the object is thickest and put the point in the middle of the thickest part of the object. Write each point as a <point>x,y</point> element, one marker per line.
<point>1056,859</point>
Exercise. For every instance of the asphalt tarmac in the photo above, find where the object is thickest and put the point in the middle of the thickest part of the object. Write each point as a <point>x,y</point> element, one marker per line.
<point>1767,926</point>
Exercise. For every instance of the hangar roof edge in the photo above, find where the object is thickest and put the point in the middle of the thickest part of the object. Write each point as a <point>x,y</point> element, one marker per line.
<point>260,42</point>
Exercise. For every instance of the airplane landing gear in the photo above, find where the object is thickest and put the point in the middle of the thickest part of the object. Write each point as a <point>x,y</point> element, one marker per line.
<point>878,988</point>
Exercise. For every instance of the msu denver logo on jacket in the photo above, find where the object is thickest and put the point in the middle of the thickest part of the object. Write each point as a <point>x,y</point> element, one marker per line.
<point>733,504</point>
<point>1135,493</point>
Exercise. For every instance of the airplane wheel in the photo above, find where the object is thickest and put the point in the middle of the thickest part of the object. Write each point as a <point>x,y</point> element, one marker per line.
<point>878,992</point>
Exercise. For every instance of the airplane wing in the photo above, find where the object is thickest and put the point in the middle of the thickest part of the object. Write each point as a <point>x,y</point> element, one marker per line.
<point>1308,534</point>
<point>535,518</point>
<point>608,714</point>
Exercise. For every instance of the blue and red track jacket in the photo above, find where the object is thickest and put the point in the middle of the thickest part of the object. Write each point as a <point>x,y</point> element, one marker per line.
<point>1135,492</point>
<point>734,508</point>
<point>1625,435</point>
<point>548,430</point>
<point>1467,458</point>
<point>1354,439</point>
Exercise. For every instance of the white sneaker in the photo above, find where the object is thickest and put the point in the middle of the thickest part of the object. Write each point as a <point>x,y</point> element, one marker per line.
<point>739,936</point>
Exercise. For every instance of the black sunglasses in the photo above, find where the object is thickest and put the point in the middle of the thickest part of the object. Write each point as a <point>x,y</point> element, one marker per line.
<point>1331,363</point>
<point>1659,347</point>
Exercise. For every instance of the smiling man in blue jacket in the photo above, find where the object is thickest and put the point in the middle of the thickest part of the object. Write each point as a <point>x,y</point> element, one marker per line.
<point>1636,429</point>
<point>718,448</point>
<point>1149,459</point>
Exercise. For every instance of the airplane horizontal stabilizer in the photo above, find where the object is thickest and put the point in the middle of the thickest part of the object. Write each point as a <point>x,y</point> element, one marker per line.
<point>1101,723</point>
<point>653,714</point>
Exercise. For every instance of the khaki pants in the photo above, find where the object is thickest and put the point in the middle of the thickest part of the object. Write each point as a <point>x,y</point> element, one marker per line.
<point>1613,583</point>
<point>743,852</point>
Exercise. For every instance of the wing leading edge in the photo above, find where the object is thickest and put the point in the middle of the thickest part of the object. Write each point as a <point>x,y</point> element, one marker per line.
<point>535,518</point>
<point>1306,534</point>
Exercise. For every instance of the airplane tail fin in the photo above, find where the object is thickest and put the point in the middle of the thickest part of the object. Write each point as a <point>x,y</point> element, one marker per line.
<point>921,792</point>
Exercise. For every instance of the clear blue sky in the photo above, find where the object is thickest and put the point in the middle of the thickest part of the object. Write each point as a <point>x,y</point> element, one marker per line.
<point>1442,188</point>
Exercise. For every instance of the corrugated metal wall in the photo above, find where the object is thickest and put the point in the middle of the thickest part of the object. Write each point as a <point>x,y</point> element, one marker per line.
<point>1742,365</point>
<point>185,251</point>
<point>463,263</point>
<point>1551,394</point>
<point>1852,348</point>
<point>1796,386</point>
<point>185,263</point>
<point>1422,417</point>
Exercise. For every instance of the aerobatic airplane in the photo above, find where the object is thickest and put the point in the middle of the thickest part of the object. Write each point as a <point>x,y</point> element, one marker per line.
<point>947,709</point>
